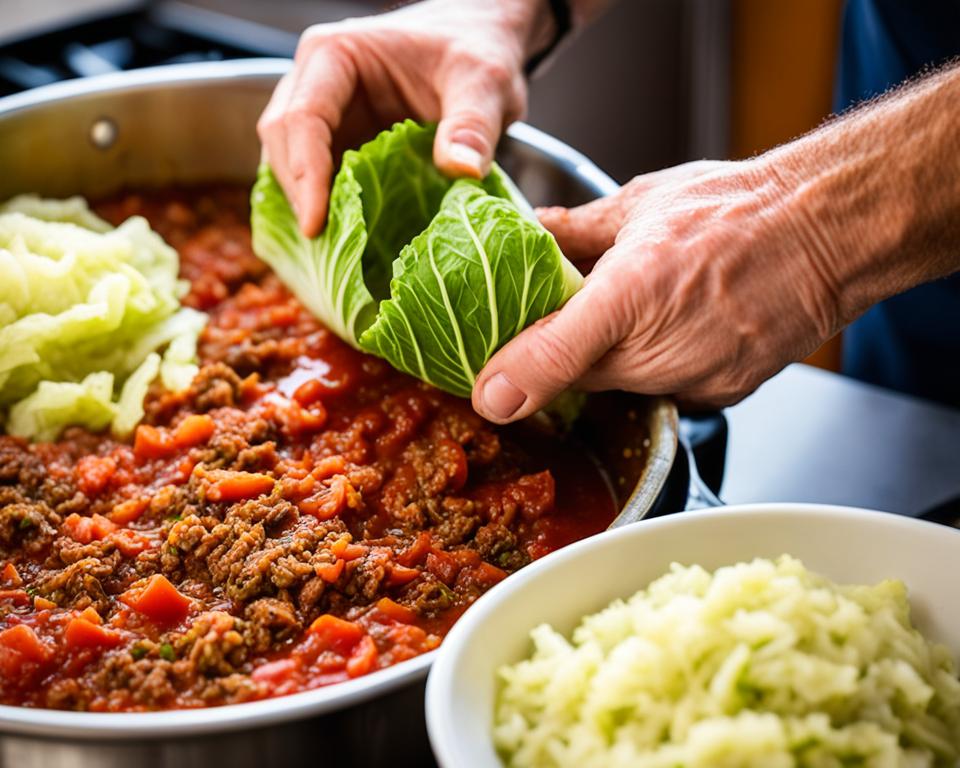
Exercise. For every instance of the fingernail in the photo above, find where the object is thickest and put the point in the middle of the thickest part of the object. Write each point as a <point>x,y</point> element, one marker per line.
<point>501,398</point>
<point>466,156</point>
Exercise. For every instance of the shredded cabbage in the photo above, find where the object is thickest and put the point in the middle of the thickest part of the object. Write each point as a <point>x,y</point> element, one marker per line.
<point>758,664</point>
<point>89,317</point>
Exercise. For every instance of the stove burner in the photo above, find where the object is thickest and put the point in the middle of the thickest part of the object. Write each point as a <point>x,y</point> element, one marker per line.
<point>162,33</point>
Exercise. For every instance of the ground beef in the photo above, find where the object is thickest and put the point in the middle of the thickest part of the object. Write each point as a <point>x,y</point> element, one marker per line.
<point>430,596</point>
<point>80,584</point>
<point>259,548</point>
<point>20,467</point>
<point>217,385</point>
<point>213,645</point>
<point>457,523</point>
<point>270,621</point>
<point>26,526</point>
<point>153,682</point>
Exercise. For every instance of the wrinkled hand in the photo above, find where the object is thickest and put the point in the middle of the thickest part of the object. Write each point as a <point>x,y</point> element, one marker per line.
<point>456,63</point>
<point>709,283</point>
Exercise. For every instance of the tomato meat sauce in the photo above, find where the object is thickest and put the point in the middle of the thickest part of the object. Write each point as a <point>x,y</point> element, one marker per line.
<point>303,514</point>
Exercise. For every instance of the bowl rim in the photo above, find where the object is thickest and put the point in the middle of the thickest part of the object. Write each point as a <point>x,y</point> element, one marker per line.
<point>443,672</point>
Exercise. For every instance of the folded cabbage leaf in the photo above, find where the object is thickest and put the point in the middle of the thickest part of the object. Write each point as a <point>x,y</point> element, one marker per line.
<point>431,274</point>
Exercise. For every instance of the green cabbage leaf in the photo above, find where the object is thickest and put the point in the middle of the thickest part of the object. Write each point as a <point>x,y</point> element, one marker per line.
<point>90,315</point>
<point>431,274</point>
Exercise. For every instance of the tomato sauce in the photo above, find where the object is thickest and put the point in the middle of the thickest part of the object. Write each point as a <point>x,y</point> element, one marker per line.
<point>302,515</point>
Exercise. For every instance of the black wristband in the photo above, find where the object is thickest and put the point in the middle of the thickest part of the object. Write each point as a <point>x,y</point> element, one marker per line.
<point>563,21</point>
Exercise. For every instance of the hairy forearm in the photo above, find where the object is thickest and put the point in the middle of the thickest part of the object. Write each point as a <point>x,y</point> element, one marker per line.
<point>879,189</point>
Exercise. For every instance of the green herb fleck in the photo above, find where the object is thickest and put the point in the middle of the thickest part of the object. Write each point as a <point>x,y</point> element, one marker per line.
<point>167,653</point>
<point>173,550</point>
<point>32,591</point>
<point>138,652</point>
<point>175,518</point>
<point>25,522</point>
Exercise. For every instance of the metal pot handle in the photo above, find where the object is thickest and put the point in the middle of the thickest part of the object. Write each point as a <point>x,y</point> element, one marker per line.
<point>704,440</point>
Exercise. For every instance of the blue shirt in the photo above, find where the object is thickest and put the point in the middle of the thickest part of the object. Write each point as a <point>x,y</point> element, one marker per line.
<point>912,341</point>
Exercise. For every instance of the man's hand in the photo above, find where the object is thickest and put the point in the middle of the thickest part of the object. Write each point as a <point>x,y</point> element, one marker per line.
<point>705,288</point>
<point>713,276</point>
<point>459,63</point>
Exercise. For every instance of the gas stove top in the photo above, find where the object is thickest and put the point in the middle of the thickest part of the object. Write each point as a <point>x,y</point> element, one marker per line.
<point>114,36</point>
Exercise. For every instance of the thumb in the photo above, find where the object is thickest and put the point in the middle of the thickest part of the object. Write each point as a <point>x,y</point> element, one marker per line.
<point>545,359</point>
<point>474,113</point>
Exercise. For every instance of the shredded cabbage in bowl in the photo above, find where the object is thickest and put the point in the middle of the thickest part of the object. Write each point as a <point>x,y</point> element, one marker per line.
<point>758,664</point>
<point>90,315</point>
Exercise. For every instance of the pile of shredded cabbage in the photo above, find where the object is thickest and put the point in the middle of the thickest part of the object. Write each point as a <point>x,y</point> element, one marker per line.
<point>758,664</point>
<point>90,315</point>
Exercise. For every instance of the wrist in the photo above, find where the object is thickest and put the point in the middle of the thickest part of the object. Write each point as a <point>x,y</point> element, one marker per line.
<point>877,193</point>
<point>533,24</point>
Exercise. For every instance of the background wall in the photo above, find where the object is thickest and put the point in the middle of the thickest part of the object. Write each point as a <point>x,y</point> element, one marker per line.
<point>783,60</point>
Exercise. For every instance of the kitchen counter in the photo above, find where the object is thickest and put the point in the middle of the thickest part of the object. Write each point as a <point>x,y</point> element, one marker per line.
<point>811,435</point>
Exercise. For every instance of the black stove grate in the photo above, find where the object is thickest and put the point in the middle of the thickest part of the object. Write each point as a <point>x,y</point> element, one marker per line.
<point>166,33</point>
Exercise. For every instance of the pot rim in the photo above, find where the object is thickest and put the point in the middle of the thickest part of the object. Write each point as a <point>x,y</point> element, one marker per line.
<point>190,722</point>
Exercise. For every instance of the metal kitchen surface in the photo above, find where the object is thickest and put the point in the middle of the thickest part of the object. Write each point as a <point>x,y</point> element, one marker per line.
<point>811,435</point>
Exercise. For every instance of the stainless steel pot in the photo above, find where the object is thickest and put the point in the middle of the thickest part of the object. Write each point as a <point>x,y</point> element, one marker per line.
<point>193,123</point>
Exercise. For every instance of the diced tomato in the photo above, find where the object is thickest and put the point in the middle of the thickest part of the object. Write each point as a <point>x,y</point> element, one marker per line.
<point>443,566</point>
<point>330,572</point>
<point>296,419</point>
<point>309,392</point>
<point>483,575</point>
<point>345,550</point>
<point>81,633</point>
<point>229,486</point>
<point>336,634</point>
<point>455,462</point>
<point>282,315</point>
<point>195,429</point>
<point>466,557</point>
<point>42,604</point>
<point>275,672</point>
<point>400,574</point>
<point>153,443</point>
<point>158,600</point>
<point>251,388</point>
<point>178,472</point>
<point>90,614</point>
<point>87,529</point>
<point>15,596</point>
<point>9,575</point>
<point>25,642</point>
<point>363,657</point>
<point>417,551</point>
<point>127,511</point>
<point>393,610</point>
<point>130,543</point>
<point>328,467</point>
<point>333,498</point>
<point>93,473</point>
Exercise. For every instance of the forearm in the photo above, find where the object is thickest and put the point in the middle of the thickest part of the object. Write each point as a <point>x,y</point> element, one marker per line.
<point>880,191</point>
<point>531,22</point>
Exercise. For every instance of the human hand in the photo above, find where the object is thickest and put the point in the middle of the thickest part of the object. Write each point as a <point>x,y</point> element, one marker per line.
<point>710,281</point>
<point>459,63</point>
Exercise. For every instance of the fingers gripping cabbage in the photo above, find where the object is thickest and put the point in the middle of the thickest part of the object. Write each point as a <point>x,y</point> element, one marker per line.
<point>89,317</point>
<point>431,274</point>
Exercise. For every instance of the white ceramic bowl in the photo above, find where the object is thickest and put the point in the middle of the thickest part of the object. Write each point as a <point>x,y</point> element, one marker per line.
<point>847,545</point>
